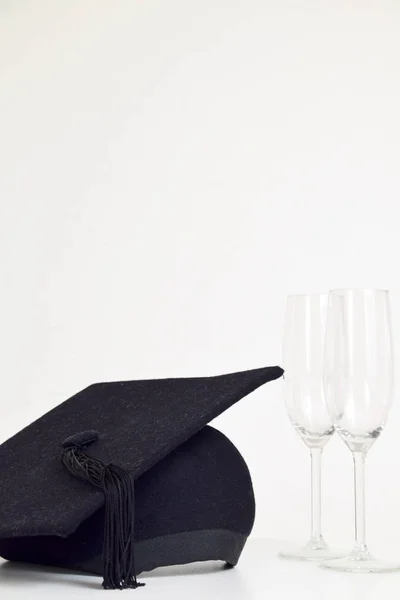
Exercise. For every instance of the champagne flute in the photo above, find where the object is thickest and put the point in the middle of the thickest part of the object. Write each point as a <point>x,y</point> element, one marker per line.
<point>304,397</point>
<point>358,374</point>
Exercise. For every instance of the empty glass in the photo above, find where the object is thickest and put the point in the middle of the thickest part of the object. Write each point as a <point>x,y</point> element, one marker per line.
<point>303,345</point>
<point>358,374</point>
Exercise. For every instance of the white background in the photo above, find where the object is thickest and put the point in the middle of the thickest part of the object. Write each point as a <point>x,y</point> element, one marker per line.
<point>169,172</point>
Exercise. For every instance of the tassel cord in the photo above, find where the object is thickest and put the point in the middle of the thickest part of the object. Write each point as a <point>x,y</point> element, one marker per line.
<point>118,487</point>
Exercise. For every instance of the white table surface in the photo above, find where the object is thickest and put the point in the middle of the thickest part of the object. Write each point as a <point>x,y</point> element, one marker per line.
<point>259,575</point>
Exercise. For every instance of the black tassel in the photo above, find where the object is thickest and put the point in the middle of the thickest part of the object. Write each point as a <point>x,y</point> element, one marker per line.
<point>118,487</point>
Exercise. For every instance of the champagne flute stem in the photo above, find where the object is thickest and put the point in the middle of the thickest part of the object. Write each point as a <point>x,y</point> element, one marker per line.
<point>359,502</point>
<point>316,454</point>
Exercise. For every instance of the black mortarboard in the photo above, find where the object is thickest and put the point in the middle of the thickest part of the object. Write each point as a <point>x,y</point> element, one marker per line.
<point>68,479</point>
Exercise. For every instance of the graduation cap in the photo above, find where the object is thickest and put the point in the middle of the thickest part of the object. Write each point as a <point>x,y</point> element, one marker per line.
<point>126,476</point>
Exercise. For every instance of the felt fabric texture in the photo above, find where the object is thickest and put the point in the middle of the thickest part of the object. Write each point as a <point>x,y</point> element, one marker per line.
<point>139,423</point>
<point>203,485</point>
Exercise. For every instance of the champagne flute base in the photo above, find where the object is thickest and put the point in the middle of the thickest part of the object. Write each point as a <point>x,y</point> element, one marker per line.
<point>314,550</point>
<point>360,563</point>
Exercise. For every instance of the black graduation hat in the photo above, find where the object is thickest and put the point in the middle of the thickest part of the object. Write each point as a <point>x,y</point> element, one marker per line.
<point>73,473</point>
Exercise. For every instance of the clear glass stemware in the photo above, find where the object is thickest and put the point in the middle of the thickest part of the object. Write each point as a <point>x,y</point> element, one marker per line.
<point>303,344</point>
<point>358,380</point>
